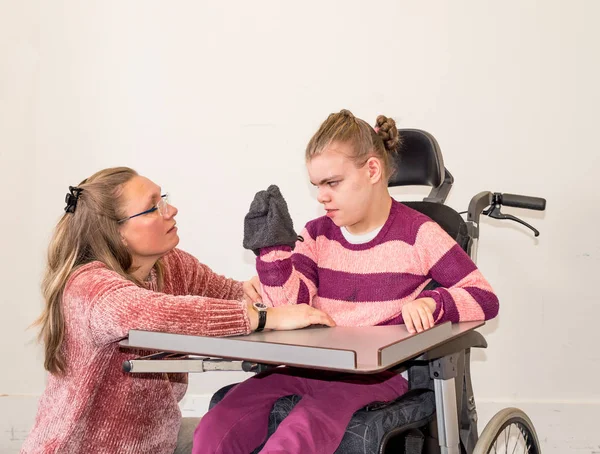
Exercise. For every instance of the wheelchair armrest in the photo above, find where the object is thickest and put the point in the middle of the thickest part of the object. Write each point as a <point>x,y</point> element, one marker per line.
<point>471,339</point>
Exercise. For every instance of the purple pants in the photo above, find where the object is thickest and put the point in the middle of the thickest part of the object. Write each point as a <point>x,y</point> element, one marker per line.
<point>239,423</point>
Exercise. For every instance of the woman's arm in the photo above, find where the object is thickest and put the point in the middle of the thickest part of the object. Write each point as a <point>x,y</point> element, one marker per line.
<point>187,276</point>
<point>117,305</point>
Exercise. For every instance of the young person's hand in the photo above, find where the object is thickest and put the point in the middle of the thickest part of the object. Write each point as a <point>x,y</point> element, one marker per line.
<point>252,290</point>
<point>290,317</point>
<point>418,314</point>
<point>268,222</point>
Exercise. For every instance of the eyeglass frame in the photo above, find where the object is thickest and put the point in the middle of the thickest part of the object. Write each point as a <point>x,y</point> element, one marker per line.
<point>164,200</point>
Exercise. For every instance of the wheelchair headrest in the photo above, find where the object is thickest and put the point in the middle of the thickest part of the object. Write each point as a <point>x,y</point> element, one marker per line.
<point>418,161</point>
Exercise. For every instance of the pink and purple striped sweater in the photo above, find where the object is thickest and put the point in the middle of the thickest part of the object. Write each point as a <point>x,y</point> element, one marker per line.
<point>367,284</point>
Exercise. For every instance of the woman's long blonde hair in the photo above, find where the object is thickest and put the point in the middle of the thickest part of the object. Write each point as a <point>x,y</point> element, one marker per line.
<point>89,233</point>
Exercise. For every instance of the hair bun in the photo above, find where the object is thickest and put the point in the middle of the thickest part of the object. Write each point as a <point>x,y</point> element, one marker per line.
<point>347,113</point>
<point>386,129</point>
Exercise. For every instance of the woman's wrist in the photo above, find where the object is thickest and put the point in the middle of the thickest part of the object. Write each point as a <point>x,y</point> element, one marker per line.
<point>271,318</point>
<point>253,316</point>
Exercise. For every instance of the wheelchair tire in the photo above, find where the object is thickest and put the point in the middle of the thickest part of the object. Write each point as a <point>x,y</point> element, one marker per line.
<point>498,432</point>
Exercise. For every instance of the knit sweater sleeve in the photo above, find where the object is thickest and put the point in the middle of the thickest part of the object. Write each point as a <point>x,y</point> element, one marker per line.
<point>288,277</point>
<point>117,305</point>
<point>190,277</point>
<point>464,295</point>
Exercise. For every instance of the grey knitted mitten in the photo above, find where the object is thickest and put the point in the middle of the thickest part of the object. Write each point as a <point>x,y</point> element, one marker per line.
<point>268,223</point>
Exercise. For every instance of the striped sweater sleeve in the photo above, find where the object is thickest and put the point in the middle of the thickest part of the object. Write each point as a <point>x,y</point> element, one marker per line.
<point>288,277</point>
<point>464,295</point>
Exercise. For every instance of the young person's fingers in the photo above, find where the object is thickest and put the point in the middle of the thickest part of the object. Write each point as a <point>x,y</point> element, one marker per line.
<point>423,317</point>
<point>430,317</point>
<point>409,321</point>
<point>416,319</point>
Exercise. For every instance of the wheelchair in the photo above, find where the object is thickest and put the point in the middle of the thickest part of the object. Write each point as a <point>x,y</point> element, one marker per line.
<point>438,413</point>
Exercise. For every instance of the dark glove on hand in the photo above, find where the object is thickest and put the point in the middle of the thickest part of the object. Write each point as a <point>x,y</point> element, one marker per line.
<point>268,223</point>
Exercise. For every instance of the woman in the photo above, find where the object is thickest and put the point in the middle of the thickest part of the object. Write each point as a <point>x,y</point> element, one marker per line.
<point>113,266</point>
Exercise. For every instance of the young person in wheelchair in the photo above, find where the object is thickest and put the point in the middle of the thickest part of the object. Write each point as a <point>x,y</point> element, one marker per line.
<point>367,262</point>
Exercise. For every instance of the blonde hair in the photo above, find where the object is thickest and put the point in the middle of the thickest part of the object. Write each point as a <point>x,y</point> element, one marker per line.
<point>88,232</point>
<point>382,141</point>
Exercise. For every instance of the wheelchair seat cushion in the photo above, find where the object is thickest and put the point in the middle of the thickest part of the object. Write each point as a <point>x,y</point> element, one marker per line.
<point>369,426</point>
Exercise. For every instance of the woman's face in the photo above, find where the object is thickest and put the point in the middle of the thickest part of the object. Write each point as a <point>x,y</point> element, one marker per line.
<point>151,235</point>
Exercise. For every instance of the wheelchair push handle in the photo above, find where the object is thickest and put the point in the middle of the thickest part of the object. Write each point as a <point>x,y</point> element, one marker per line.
<point>514,200</point>
<point>522,201</point>
<point>490,204</point>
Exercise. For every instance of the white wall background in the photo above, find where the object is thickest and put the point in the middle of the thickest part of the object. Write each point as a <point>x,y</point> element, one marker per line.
<point>216,100</point>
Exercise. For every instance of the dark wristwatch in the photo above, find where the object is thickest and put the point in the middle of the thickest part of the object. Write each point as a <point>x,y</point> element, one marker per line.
<point>262,315</point>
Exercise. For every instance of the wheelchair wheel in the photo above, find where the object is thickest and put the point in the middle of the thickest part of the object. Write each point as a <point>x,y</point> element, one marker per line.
<point>509,431</point>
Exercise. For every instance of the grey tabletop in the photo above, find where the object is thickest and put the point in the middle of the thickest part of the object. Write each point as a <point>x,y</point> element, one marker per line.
<point>353,349</point>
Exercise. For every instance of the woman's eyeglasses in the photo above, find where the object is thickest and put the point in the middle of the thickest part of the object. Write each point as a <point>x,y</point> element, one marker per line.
<point>162,206</point>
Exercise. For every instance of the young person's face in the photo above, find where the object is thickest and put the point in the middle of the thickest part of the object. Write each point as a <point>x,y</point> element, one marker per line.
<point>345,190</point>
<point>151,235</point>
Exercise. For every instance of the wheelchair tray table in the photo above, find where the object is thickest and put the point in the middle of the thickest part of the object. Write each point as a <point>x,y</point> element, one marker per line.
<point>367,349</point>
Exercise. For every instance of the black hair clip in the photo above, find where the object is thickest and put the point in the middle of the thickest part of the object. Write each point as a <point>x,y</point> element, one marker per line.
<point>72,198</point>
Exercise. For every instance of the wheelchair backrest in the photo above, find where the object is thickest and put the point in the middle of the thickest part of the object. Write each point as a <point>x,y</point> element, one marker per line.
<point>447,218</point>
<point>419,162</point>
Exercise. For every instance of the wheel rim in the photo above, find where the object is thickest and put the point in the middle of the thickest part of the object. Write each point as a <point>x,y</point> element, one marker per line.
<point>514,438</point>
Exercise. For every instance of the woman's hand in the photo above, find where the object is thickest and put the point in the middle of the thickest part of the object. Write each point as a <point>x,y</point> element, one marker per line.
<point>290,317</point>
<point>418,314</point>
<point>252,290</point>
